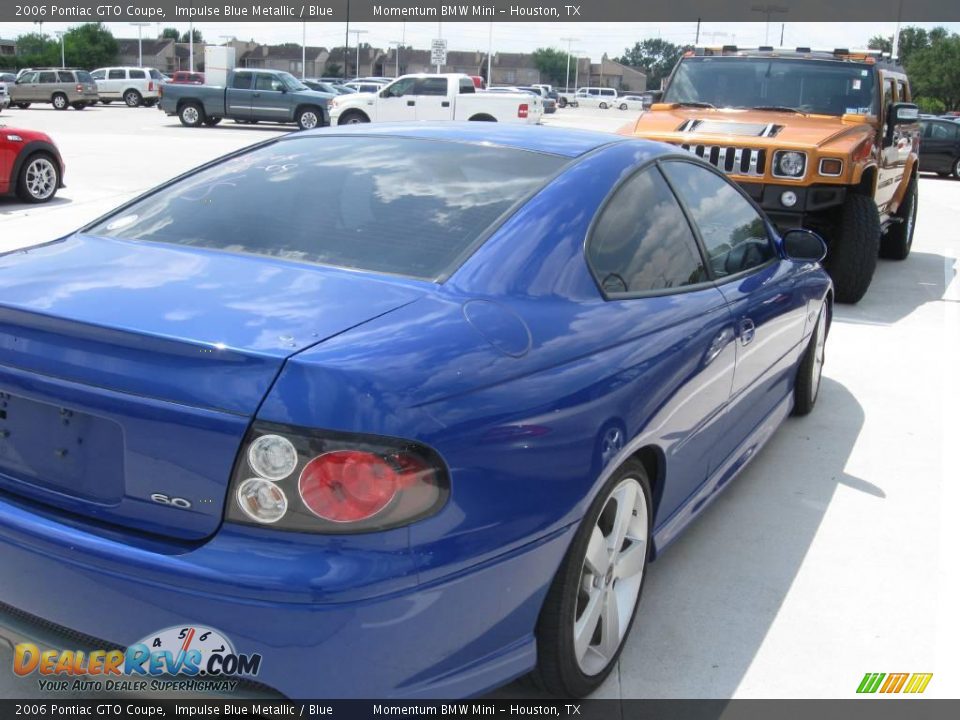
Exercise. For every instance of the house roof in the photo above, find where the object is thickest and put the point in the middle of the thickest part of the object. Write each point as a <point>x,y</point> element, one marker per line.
<point>282,52</point>
<point>367,54</point>
<point>131,46</point>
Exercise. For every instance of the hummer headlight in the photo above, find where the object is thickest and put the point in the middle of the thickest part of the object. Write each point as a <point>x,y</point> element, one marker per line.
<point>789,163</point>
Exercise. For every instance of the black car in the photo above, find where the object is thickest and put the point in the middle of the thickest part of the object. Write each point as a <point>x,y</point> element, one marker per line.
<point>940,147</point>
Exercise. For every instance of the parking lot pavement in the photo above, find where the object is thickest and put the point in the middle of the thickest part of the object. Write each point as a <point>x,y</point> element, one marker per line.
<point>834,554</point>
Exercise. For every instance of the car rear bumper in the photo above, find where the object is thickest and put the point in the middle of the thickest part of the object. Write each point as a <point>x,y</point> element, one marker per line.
<point>455,637</point>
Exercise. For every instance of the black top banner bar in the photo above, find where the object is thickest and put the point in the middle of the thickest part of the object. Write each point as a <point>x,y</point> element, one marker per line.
<point>516,11</point>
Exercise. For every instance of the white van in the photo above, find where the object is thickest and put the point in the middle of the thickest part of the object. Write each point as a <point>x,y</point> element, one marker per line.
<point>133,85</point>
<point>598,97</point>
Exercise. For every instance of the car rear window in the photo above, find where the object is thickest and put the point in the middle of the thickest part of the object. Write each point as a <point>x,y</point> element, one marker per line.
<point>403,206</point>
<point>84,77</point>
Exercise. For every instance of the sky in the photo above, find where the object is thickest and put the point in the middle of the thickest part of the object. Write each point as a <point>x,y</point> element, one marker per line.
<point>592,39</point>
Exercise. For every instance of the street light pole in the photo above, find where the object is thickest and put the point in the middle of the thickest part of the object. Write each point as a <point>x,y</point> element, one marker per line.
<point>190,38</point>
<point>140,26</point>
<point>358,33</point>
<point>396,55</point>
<point>63,57</point>
<point>303,60</point>
<point>569,41</point>
<point>768,10</point>
<point>490,56</point>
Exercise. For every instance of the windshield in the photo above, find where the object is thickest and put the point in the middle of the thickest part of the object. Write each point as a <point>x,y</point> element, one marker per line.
<point>290,82</point>
<point>812,86</point>
<point>395,205</point>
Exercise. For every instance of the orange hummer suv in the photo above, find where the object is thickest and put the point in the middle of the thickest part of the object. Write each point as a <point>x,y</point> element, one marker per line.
<point>825,140</point>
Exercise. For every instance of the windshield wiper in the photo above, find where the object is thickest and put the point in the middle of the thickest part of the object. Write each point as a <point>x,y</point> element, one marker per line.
<point>695,103</point>
<point>779,108</point>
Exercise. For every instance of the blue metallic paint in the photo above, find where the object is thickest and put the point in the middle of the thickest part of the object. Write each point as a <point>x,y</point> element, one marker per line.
<point>514,370</point>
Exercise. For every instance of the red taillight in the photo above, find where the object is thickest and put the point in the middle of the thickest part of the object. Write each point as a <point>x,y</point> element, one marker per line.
<point>523,111</point>
<point>352,485</point>
<point>150,86</point>
<point>160,90</point>
<point>79,88</point>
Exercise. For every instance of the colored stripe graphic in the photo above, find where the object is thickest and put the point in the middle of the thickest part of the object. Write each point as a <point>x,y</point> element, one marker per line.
<point>870,682</point>
<point>918,682</point>
<point>894,683</point>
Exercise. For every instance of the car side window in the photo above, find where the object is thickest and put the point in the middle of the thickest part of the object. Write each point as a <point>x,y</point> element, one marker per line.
<point>242,81</point>
<point>642,242</point>
<point>467,87</point>
<point>432,86</point>
<point>98,74</point>
<point>138,75</point>
<point>65,77</point>
<point>117,75</point>
<point>28,78</point>
<point>48,77</point>
<point>733,232</point>
<point>402,87</point>
<point>942,131</point>
<point>903,91</point>
<point>268,82</point>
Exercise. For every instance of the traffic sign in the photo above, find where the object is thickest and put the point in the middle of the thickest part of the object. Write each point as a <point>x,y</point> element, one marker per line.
<point>438,52</point>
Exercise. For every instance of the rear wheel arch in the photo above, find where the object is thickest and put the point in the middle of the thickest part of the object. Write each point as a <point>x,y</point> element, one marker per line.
<point>654,461</point>
<point>353,116</point>
<point>483,117</point>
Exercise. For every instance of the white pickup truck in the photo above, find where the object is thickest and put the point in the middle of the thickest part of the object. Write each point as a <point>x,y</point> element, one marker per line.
<point>434,97</point>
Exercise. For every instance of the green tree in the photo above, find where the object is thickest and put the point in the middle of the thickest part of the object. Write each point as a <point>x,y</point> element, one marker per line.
<point>655,56</point>
<point>935,72</point>
<point>333,69</point>
<point>37,50</point>
<point>170,33</point>
<point>552,65</point>
<point>197,36</point>
<point>90,45</point>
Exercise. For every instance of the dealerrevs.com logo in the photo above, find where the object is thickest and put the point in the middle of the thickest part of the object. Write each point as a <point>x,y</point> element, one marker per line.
<point>177,658</point>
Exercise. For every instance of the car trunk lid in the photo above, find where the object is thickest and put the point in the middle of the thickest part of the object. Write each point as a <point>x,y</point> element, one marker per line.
<point>130,371</point>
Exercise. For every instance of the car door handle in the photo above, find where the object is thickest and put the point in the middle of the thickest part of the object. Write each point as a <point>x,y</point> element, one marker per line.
<point>719,342</point>
<point>747,331</point>
<point>256,95</point>
<point>445,103</point>
<point>411,103</point>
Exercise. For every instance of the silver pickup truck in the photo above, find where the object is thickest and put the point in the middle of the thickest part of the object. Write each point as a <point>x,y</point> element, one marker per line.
<point>249,96</point>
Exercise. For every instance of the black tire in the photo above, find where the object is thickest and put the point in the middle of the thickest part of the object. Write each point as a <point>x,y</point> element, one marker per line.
<point>956,169</point>
<point>558,670</point>
<point>353,117</point>
<point>105,102</point>
<point>60,101</point>
<point>191,114</point>
<point>79,106</point>
<point>482,118</point>
<point>22,106</point>
<point>623,106</point>
<point>896,244</point>
<point>151,103</point>
<point>806,387</point>
<point>603,106</point>
<point>133,98</point>
<point>853,248</point>
<point>562,102</point>
<point>309,118</point>
<point>28,186</point>
<point>211,121</point>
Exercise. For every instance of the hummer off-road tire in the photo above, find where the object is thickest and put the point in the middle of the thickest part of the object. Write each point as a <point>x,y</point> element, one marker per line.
<point>852,248</point>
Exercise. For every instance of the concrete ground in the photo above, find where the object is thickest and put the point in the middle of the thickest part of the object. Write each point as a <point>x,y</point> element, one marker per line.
<point>833,555</point>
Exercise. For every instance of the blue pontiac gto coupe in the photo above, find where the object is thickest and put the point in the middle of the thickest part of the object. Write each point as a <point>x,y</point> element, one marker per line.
<point>403,411</point>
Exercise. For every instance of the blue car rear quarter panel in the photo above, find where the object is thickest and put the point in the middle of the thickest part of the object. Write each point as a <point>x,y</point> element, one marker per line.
<point>512,369</point>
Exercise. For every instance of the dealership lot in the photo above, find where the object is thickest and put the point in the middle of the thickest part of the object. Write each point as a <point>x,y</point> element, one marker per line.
<point>833,555</point>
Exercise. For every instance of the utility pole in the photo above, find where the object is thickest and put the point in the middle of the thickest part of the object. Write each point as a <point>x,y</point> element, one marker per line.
<point>303,61</point>
<point>140,26</point>
<point>63,57</point>
<point>190,38</point>
<point>768,10</point>
<point>396,49</point>
<point>783,27</point>
<point>569,41</point>
<point>697,41</point>
<point>490,57</point>
<point>346,42</point>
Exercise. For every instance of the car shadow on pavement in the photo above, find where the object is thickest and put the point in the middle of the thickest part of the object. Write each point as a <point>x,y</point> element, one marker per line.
<point>10,204</point>
<point>712,597</point>
<point>259,127</point>
<point>898,289</point>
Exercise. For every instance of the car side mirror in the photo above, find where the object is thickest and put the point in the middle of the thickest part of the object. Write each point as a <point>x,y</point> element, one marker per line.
<point>901,113</point>
<point>803,244</point>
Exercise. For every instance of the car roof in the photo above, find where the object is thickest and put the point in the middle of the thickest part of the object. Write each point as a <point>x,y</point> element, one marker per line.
<point>553,140</point>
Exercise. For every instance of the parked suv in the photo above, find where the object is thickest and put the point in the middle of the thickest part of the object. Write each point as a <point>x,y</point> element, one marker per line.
<point>135,86</point>
<point>61,87</point>
<point>825,140</point>
<point>598,97</point>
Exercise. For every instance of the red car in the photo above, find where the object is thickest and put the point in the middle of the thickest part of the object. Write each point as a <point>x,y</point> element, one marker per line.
<point>30,165</point>
<point>182,77</point>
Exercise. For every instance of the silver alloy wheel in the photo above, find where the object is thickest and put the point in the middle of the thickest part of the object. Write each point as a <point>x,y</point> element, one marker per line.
<point>819,353</point>
<point>611,577</point>
<point>41,178</point>
<point>60,102</point>
<point>308,119</point>
<point>603,106</point>
<point>191,115</point>
<point>132,99</point>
